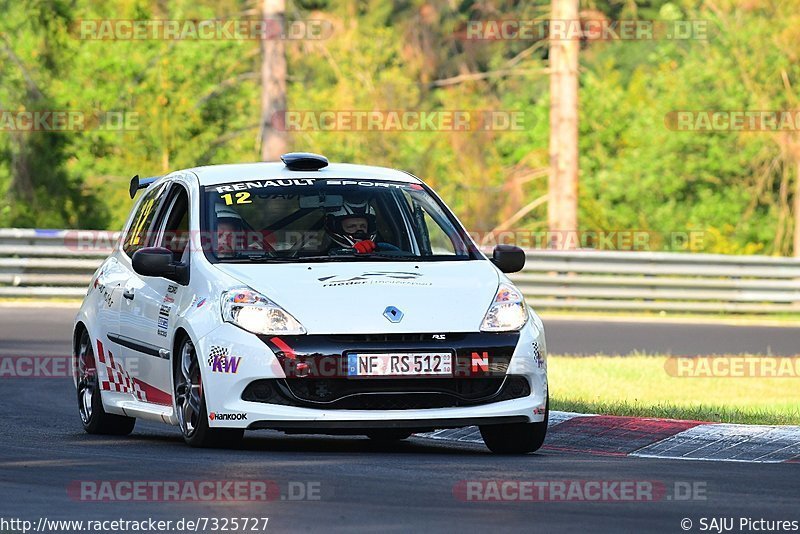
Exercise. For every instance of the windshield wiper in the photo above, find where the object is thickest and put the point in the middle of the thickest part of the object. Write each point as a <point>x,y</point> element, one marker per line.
<point>261,256</point>
<point>348,257</point>
<point>385,255</point>
<point>301,259</point>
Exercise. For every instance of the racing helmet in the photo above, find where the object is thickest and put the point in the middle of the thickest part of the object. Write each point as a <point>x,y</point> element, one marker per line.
<point>223,211</point>
<point>226,245</point>
<point>351,209</point>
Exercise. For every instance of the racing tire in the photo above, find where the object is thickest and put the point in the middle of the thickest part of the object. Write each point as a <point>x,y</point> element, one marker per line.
<point>94,418</point>
<point>388,435</point>
<point>516,438</point>
<point>190,404</point>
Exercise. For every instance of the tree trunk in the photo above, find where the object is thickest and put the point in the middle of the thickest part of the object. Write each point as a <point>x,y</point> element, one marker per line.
<point>562,209</point>
<point>273,82</point>
<point>796,249</point>
<point>21,178</point>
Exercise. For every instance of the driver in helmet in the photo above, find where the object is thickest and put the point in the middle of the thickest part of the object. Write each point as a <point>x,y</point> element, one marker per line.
<point>231,232</point>
<point>353,228</point>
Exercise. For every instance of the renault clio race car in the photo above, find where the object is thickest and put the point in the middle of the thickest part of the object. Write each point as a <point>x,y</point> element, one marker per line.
<point>307,297</point>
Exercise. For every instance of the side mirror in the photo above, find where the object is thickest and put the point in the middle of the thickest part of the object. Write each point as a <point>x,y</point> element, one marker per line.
<point>157,261</point>
<point>508,258</point>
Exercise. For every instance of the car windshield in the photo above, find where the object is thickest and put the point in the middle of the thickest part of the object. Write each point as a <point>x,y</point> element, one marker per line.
<point>311,220</point>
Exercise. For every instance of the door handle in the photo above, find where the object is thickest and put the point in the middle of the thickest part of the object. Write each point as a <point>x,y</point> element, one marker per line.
<point>128,294</point>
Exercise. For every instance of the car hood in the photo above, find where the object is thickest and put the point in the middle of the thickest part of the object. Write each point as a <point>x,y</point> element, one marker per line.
<point>351,297</point>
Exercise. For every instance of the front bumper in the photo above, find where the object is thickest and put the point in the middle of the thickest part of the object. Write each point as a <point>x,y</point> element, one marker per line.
<point>271,386</point>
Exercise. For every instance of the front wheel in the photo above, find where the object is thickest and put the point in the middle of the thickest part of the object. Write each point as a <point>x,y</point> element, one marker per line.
<point>94,418</point>
<point>516,438</point>
<point>190,404</point>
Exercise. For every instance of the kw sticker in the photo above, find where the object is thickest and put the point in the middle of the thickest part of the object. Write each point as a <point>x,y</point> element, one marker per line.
<point>221,362</point>
<point>224,364</point>
<point>537,356</point>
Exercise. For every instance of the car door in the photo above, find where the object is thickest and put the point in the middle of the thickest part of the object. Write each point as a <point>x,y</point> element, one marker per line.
<point>106,293</point>
<point>147,306</point>
<point>109,285</point>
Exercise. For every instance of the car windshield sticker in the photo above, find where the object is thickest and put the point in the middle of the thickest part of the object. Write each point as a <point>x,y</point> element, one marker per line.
<point>243,186</point>
<point>365,183</point>
<point>285,182</point>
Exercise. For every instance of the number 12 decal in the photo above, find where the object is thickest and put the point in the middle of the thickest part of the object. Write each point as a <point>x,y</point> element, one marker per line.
<point>241,198</point>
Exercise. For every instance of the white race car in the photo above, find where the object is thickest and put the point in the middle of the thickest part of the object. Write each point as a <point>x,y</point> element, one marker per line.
<point>307,298</point>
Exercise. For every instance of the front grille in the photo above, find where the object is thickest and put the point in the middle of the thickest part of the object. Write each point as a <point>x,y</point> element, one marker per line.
<point>390,338</point>
<point>386,394</point>
<point>327,390</point>
<point>475,355</point>
<point>316,371</point>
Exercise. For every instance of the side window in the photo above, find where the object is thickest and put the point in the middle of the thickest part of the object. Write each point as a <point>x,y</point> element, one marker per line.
<point>439,241</point>
<point>174,224</point>
<point>387,219</point>
<point>138,233</point>
<point>426,221</point>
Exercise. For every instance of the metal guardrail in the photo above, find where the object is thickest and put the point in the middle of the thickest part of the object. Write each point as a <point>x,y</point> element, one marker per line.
<point>656,281</point>
<point>59,263</point>
<point>48,263</point>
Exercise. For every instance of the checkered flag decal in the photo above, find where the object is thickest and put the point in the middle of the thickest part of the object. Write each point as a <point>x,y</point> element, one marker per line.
<point>218,352</point>
<point>537,355</point>
<point>118,378</point>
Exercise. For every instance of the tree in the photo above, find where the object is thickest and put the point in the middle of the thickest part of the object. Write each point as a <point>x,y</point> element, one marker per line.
<point>273,82</point>
<point>42,191</point>
<point>562,209</point>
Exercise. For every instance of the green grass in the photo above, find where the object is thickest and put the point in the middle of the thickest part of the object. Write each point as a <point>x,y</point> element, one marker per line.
<point>791,319</point>
<point>639,385</point>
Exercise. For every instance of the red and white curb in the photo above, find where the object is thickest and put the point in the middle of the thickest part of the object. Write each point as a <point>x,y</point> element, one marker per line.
<point>608,435</point>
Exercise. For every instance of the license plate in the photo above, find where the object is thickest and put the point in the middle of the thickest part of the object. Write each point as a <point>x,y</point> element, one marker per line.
<point>400,364</point>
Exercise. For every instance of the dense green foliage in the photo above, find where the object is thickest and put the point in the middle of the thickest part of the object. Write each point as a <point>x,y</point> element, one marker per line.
<point>197,103</point>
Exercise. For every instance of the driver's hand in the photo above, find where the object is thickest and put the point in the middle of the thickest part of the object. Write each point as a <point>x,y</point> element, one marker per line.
<point>365,247</point>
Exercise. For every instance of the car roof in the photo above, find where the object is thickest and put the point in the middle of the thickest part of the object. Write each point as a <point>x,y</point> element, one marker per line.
<point>222,174</point>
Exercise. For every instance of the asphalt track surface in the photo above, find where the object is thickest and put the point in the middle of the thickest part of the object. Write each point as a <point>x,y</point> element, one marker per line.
<point>363,487</point>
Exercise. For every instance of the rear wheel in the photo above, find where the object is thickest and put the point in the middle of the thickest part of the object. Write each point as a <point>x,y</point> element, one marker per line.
<point>388,435</point>
<point>190,404</point>
<point>516,438</point>
<point>94,418</point>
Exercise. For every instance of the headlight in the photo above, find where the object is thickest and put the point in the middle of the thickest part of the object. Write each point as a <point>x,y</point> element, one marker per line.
<point>508,311</point>
<point>255,313</point>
